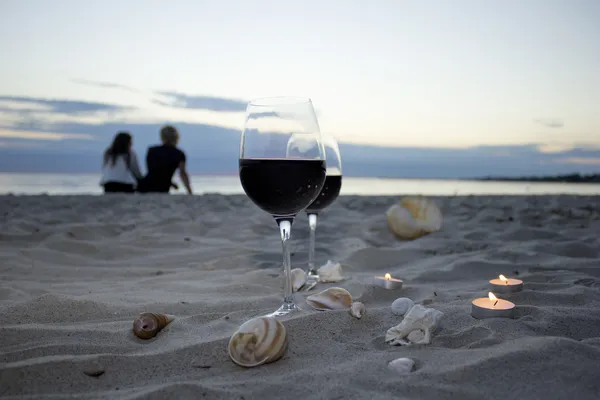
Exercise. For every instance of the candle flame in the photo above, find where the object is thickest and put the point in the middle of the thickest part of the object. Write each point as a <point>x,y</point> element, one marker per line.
<point>388,277</point>
<point>492,297</point>
<point>503,279</point>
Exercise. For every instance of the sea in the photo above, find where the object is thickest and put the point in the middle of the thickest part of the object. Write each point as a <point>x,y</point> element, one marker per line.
<point>88,184</point>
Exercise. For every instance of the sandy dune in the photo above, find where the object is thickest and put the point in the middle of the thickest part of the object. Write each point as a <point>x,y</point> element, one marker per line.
<point>76,271</point>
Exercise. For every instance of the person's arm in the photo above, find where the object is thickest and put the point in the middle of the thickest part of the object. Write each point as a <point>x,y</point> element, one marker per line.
<point>184,176</point>
<point>134,166</point>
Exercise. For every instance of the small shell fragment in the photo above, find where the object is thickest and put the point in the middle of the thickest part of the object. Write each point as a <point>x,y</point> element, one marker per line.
<point>147,325</point>
<point>334,298</point>
<point>413,217</point>
<point>401,305</point>
<point>298,279</point>
<point>357,309</point>
<point>258,341</point>
<point>331,272</point>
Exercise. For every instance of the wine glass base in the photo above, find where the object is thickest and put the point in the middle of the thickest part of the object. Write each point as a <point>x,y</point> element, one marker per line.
<point>312,275</point>
<point>285,310</point>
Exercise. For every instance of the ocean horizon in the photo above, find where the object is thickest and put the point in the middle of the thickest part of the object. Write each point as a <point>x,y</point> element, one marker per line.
<point>89,184</point>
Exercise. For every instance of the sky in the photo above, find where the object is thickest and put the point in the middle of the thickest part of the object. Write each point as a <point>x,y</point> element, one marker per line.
<point>444,74</point>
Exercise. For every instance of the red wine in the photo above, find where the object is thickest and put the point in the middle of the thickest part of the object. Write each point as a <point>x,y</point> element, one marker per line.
<point>330,192</point>
<point>282,187</point>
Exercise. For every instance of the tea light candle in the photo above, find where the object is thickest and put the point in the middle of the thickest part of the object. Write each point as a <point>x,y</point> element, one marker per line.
<point>387,282</point>
<point>492,307</point>
<point>506,285</point>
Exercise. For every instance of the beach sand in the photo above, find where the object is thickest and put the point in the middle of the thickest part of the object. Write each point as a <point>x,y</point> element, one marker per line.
<point>76,271</point>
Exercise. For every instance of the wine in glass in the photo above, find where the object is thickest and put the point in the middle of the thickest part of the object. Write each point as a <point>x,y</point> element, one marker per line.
<point>328,194</point>
<point>282,167</point>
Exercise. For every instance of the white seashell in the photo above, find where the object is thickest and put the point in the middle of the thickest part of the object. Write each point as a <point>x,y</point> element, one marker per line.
<point>402,305</point>
<point>258,341</point>
<point>330,272</point>
<point>298,279</point>
<point>416,336</point>
<point>402,365</point>
<point>419,318</point>
<point>334,298</point>
<point>413,217</point>
<point>357,309</point>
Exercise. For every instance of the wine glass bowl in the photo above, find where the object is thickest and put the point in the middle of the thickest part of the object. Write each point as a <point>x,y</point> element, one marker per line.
<point>282,166</point>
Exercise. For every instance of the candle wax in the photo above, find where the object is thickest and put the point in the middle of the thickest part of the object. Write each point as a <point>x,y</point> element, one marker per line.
<point>391,283</point>
<point>485,308</point>
<point>508,286</point>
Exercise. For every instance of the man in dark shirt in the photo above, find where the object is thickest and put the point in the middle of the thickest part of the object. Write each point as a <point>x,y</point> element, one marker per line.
<point>162,162</point>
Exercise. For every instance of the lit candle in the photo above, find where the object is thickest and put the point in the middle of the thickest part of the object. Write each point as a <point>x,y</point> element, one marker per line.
<point>506,285</point>
<point>492,307</point>
<point>387,282</point>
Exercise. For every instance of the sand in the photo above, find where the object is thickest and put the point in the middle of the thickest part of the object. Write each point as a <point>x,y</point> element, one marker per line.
<point>76,271</point>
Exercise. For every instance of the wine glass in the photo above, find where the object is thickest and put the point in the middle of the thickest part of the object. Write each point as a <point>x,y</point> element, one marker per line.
<point>282,167</point>
<point>328,194</point>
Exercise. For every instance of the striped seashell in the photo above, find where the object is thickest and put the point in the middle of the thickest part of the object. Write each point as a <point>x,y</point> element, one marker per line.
<point>298,279</point>
<point>413,217</point>
<point>261,340</point>
<point>334,298</point>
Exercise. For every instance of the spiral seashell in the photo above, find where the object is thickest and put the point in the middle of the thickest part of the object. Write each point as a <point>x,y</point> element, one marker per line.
<point>298,279</point>
<point>334,298</point>
<point>413,217</point>
<point>261,340</point>
<point>147,325</point>
<point>357,309</point>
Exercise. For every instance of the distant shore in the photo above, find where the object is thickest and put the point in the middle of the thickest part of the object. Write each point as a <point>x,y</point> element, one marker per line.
<point>571,178</point>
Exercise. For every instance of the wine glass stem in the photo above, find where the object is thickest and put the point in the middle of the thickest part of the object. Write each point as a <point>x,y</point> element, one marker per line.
<point>312,225</point>
<point>285,226</point>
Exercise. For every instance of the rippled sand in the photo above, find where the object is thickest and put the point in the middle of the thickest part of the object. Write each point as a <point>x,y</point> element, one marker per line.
<point>76,271</point>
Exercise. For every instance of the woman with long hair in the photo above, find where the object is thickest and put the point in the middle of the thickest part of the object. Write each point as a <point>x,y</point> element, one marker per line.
<point>120,167</point>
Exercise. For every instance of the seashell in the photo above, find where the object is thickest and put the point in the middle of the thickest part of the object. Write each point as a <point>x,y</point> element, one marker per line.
<point>357,309</point>
<point>402,365</point>
<point>402,305</point>
<point>330,272</point>
<point>298,279</point>
<point>413,217</point>
<point>334,298</point>
<point>258,341</point>
<point>147,325</point>
<point>419,318</point>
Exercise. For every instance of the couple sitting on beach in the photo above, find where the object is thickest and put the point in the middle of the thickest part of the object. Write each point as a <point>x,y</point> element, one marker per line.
<point>121,170</point>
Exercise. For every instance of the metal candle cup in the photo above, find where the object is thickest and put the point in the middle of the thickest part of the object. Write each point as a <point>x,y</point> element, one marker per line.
<point>387,282</point>
<point>506,285</point>
<point>492,307</point>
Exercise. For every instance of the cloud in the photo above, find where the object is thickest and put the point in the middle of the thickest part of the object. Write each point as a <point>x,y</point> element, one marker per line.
<point>550,123</point>
<point>180,100</point>
<point>106,85</point>
<point>269,114</point>
<point>69,107</point>
<point>215,150</point>
<point>41,135</point>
